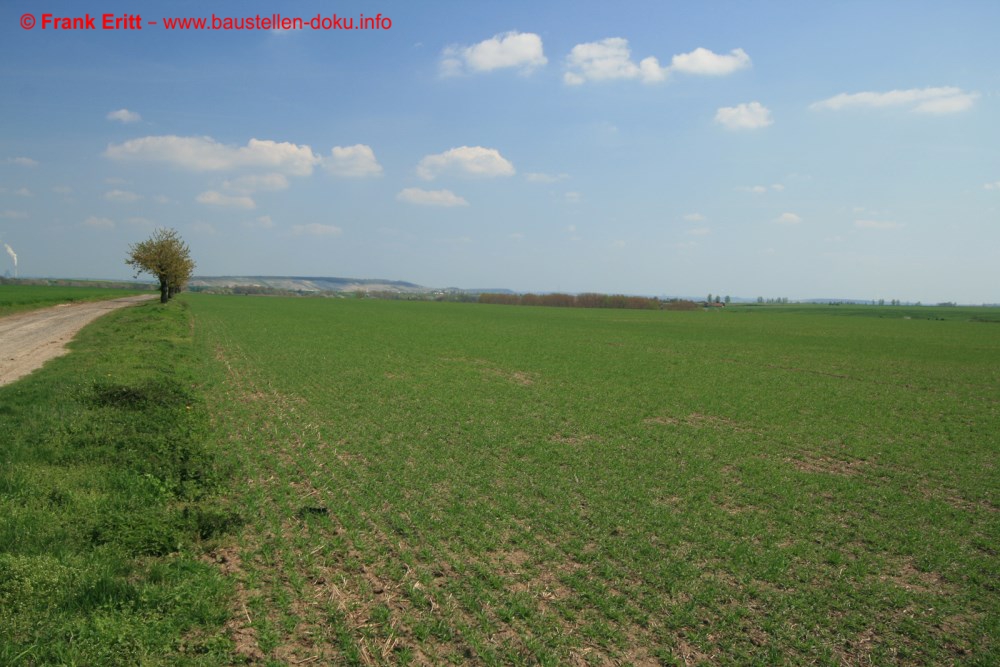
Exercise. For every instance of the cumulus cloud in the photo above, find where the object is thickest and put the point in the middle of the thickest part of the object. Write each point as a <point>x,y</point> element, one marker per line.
<point>99,223</point>
<point>22,161</point>
<point>124,116</point>
<point>445,198</point>
<point>206,154</point>
<point>694,217</point>
<point>877,224</point>
<point>607,60</point>
<point>611,59</point>
<point>992,186</point>
<point>788,219</point>
<point>214,198</point>
<point>13,215</point>
<point>704,62</point>
<point>22,192</point>
<point>256,182</point>
<point>699,231</point>
<point>466,160</point>
<point>510,50</point>
<point>355,161</point>
<point>122,196</point>
<point>940,100</point>
<point>573,197</point>
<point>750,116</point>
<point>316,229</point>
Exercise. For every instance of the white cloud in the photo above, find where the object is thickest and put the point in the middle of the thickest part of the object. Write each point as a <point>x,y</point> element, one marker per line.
<point>611,59</point>
<point>255,182</point>
<point>519,50</point>
<point>431,197</point>
<point>99,223</point>
<point>122,196</point>
<point>206,154</point>
<point>694,217</point>
<point>353,161</point>
<point>538,177</point>
<point>788,219</point>
<point>124,116</point>
<point>573,197</point>
<point>23,161</point>
<point>161,199</point>
<point>516,236</point>
<point>468,160</point>
<point>316,229</point>
<point>778,187</point>
<point>22,192</point>
<point>607,60</point>
<point>992,186</point>
<point>13,215</point>
<point>753,189</point>
<point>941,100</point>
<point>750,116</point>
<point>618,244</point>
<point>62,190</point>
<point>704,62</point>
<point>877,224</point>
<point>213,198</point>
<point>699,231</point>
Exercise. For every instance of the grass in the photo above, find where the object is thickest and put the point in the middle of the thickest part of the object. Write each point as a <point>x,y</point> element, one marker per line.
<point>19,298</point>
<point>453,483</point>
<point>108,496</point>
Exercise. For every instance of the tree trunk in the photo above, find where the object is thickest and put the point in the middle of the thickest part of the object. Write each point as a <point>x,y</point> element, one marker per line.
<point>164,293</point>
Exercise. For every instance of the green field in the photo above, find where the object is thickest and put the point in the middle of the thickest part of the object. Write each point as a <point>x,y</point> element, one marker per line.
<point>450,482</point>
<point>455,483</point>
<point>17,298</point>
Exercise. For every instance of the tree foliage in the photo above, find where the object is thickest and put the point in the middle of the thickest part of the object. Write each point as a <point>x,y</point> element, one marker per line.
<point>165,256</point>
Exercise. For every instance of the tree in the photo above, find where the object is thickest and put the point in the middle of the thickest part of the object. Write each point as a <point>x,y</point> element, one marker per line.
<point>165,256</point>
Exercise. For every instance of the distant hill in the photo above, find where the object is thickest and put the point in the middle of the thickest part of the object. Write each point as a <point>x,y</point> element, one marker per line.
<point>308,284</point>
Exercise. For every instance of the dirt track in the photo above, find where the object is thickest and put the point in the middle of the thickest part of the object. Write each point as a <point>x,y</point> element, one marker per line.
<point>28,340</point>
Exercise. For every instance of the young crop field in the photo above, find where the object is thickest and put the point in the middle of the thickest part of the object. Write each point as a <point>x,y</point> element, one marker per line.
<point>457,483</point>
<point>17,298</point>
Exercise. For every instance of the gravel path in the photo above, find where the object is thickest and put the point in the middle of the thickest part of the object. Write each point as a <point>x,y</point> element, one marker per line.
<point>28,340</point>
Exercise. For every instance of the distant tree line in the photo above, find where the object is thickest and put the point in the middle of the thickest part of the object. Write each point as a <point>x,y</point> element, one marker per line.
<point>587,300</point>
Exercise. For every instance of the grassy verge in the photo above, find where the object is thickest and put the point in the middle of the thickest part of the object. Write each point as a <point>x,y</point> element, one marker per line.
<point>19,298</point>
<point>108,494</point>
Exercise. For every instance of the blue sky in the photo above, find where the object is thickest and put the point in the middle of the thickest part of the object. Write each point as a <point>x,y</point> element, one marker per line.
<point>841,149</point>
